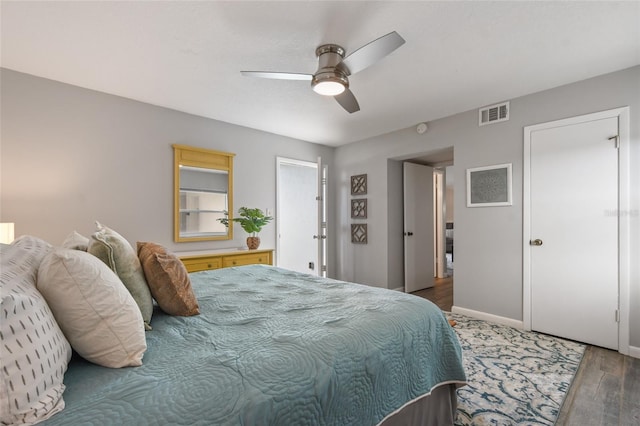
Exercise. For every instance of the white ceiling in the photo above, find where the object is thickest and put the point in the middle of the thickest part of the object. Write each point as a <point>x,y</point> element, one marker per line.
<point>188,55</point>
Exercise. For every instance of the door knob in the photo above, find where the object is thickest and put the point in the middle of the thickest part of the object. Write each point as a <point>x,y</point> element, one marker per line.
<point>408,234</point>
<point>536,242</point>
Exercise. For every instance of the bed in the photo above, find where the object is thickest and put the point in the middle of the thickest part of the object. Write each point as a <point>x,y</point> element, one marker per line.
<point>276,347</point>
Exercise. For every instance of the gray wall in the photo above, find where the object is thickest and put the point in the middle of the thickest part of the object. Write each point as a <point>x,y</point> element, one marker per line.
<point>488,250</point>
<point>70,156</point>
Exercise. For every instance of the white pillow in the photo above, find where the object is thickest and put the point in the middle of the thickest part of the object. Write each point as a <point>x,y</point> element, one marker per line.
<point>34,351</point>
<point>76,241</point>
<point>93,307</point>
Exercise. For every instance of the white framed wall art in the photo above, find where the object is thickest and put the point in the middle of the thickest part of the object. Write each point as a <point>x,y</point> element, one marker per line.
<point>489,186</point>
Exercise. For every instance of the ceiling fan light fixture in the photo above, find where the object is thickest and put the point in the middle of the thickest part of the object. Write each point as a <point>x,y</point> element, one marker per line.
<point>329,83</point>
<point>331,78</point>
<point>329,88</point>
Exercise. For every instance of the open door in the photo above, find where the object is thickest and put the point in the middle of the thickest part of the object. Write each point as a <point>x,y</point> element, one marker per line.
<point>418,227</point>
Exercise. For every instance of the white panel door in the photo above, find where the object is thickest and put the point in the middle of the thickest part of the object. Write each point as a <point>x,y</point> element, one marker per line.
<point>418,227</point>
<point>574,232</point>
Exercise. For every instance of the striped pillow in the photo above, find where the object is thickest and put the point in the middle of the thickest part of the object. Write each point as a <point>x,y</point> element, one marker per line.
<point>34,351</point>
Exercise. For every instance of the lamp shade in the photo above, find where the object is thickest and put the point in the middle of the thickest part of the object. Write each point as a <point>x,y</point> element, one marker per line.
<point>6,232</point>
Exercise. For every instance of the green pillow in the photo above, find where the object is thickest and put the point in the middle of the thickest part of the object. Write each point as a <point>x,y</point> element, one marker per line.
<point>114,250</point>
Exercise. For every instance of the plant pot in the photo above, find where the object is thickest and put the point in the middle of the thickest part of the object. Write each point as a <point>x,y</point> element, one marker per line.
<point>253,242</point>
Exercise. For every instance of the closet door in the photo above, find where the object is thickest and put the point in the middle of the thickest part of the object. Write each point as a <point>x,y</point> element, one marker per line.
<point>574,231</point>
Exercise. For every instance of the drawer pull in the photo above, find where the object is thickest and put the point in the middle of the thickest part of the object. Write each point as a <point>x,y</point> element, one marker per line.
<point>260,260</point>
<point>209,265</point>
<point>234,262</point>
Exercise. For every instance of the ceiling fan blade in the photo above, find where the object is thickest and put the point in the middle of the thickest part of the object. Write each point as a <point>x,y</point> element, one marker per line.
<point>277,75</point>
<point>372,52</point>
<point>348,101</point>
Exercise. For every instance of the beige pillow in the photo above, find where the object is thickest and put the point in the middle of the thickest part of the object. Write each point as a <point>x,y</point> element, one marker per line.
<point>168,280</point>
<point>76,241</point>
<point>93,308</point>
<point>114,250</point>
<point>34,351</point>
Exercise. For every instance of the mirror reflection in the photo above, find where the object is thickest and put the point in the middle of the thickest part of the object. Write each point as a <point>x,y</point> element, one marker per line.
<point>203,193</point>
<point>203,200</point>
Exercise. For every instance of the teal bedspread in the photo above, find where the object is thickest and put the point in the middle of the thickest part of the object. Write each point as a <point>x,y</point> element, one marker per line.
<point>273,347</point>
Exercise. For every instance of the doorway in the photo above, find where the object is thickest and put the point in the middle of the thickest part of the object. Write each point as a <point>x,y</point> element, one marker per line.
<point>575,282</point>
<point>297,216</point>
<point>441,293</point>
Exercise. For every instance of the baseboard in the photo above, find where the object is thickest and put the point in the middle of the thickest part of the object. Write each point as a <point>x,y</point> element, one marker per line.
<point>634,351</point>
<point>488,317</point>
<point>400,289</point>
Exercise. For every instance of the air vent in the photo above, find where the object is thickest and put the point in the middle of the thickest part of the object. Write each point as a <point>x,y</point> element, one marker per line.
<point>493,114</point>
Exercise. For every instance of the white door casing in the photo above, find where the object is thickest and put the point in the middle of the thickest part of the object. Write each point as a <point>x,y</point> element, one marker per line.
<point>440,223</point>
<point>322,235</point>
<point>418,227</point>
<point>575,183</point>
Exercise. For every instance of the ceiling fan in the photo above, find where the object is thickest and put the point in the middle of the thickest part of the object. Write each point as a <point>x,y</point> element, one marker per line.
<point>334,69</point>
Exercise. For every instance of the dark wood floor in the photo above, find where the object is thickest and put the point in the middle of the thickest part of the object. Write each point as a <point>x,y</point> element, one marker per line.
<point>605,391</point>
<point>441,293</point>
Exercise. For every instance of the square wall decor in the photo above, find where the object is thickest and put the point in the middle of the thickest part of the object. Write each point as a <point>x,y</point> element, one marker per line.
<point>359,184</point>
<point>359,233</point>
<point>359,208</point>
<point>489,186</point>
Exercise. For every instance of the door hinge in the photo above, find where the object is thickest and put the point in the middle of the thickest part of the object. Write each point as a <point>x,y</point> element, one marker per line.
<point>617,315</point>
<point>616,138</point>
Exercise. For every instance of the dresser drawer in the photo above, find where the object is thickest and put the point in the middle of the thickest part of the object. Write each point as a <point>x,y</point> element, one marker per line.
<point>202,264</point>
<point>195,262</point>
<point>247,259</point>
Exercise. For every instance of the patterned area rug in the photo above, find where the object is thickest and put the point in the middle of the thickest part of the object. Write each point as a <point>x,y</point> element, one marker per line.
<point>515,377</point>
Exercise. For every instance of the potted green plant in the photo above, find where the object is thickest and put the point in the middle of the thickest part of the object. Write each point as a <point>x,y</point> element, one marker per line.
<point>252,221</point>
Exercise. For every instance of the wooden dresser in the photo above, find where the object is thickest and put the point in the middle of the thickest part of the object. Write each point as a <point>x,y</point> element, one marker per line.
<point>204,260</point>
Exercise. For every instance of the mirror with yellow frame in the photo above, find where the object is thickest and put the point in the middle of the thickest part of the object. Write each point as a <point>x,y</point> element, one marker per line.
<point>203,192</point>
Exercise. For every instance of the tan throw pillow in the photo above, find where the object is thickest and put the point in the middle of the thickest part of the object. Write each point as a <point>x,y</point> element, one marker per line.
<point>168,280</point>
<point>114,250</point>
<point>93,308</point>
